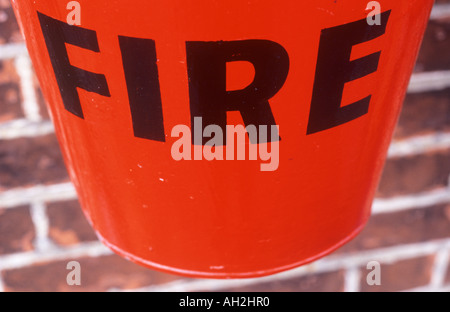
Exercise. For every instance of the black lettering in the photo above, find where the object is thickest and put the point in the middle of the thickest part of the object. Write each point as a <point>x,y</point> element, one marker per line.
<point>209,98</point>
<point>141,75</point>
<point>57,34</point>
<point>334,69</point>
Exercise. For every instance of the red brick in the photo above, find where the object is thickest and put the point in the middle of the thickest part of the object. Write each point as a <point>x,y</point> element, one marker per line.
<point>404,227</point>
<point>424,113</point>
<point>435,47</point>
<point>323,282</point>
<point>401,275</point>
<point>97,274</point>
<point>414,174</point>
<point>16,230</point>
<point>67,224</point>
<point>9,92</point>
<point>29,161</point>
<point>9,30</point>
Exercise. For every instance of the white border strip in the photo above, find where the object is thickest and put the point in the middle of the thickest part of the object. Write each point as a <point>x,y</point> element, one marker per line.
<point>38,212</point>
<point>439,273</point>
<point>440,11</point>
<point>23,128</point>
<point>429,81</point>
<point>39,193</point>
<point>24,259</point>
<point>2,286</point>
<point>445,288</point>
<point>11,50</point>
<point>413,201</point>
<point>352,280</point>
<point>419,144</point>
<point>29,103</point>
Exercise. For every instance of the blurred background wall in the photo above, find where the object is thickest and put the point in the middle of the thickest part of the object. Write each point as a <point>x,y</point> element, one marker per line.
<point>42,227</point>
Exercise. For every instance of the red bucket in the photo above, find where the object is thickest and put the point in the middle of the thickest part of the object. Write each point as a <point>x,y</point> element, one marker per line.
<point>224,139</point>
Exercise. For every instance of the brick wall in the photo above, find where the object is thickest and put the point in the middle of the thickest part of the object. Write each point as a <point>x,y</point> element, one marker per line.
<point>42,227</point>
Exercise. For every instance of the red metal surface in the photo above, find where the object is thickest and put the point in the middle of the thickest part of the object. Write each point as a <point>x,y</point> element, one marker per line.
<point>228,219</point>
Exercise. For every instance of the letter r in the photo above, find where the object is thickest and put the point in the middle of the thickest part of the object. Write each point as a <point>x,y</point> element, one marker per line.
<point>209,98</point>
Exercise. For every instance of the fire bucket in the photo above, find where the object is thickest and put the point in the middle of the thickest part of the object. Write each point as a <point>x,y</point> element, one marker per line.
<point>224,139</point>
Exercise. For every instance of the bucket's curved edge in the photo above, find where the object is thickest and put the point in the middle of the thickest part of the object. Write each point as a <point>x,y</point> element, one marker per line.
<point>224,275</point>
